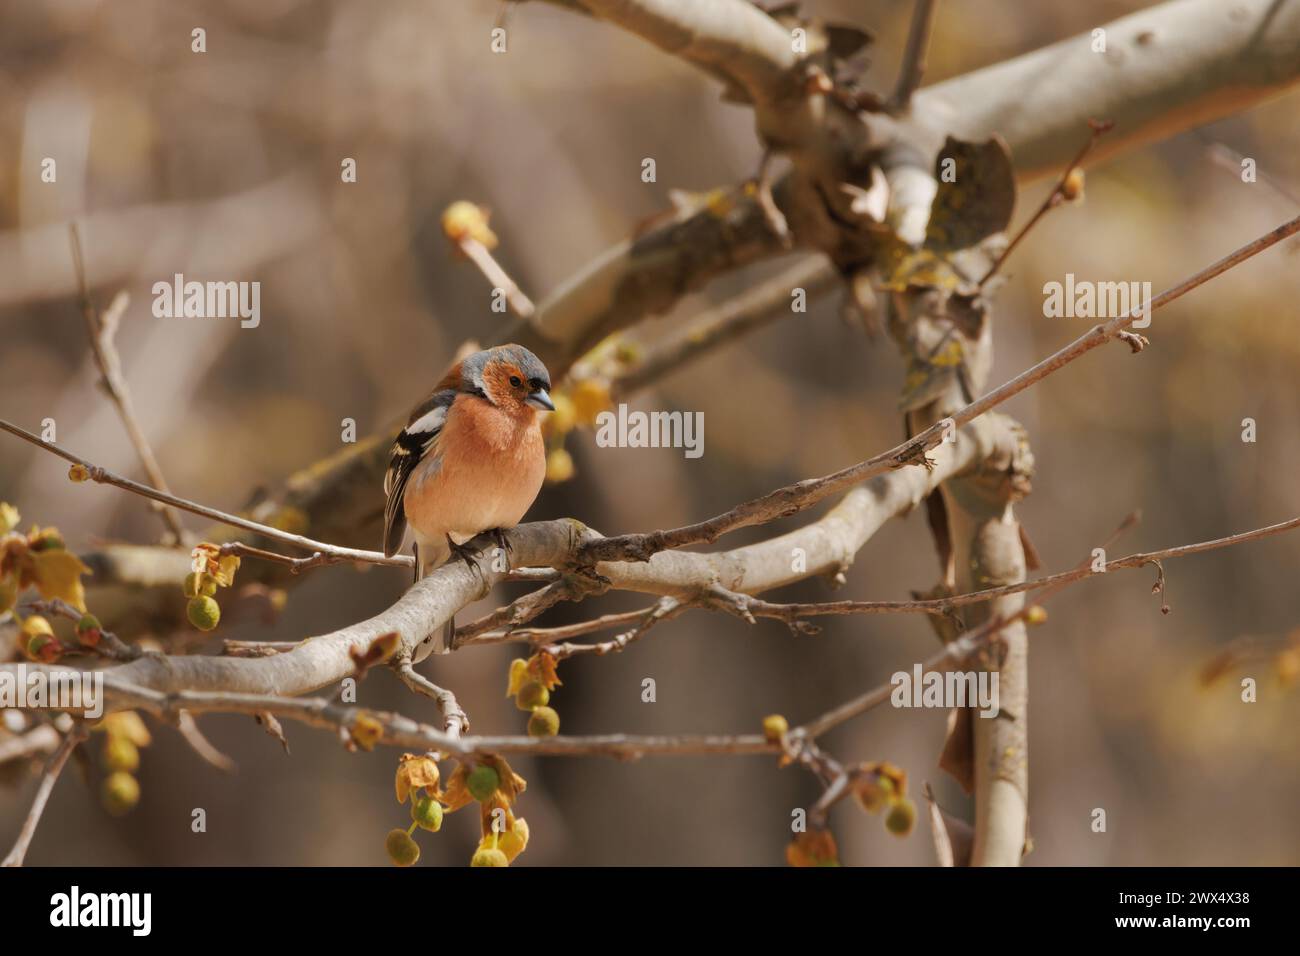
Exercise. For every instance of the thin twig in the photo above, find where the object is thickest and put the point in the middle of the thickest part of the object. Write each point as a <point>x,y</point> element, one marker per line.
<point>101,329</point>
<point>1054,198</point>
<point>572,587</point>
<point>664,609</point>
<point>110,645</point>
<point>914,54</point>
<point>801,495</point>
<point>550,635</point>
<point>104,476</point>
<point>189,729</point>
<point>455,720</point>
<point>74,736</point>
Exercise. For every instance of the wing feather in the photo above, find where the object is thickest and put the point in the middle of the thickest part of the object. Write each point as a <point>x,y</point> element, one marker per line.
<point>413,445</point>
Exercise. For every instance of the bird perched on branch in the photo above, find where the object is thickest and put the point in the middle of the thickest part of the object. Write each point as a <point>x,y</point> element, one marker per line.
<point>470,459</point>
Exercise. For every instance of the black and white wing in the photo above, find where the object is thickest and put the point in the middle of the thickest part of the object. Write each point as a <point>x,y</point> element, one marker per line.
<point>412,445</point>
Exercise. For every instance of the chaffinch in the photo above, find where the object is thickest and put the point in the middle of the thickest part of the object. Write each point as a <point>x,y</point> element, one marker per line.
<point>470,459</point>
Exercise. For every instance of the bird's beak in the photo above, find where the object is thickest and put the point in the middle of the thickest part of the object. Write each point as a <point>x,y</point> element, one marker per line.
<point>540,399</point>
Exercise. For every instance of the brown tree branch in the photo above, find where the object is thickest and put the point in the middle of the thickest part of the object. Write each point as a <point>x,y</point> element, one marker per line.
<point>801,495</point>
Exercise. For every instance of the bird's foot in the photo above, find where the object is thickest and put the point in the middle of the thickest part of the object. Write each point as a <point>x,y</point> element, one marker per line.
<point>499,535</point>
<point>463,551</point>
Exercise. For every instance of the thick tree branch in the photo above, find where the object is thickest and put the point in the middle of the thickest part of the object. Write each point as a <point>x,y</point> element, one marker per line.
<point>1165,70</point>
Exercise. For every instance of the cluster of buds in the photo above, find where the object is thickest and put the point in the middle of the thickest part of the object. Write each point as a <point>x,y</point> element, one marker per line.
<point>883,787</point>
<point>531,682</point>
<point>579,402</point>
<point>211,570</point>
<point>489,782</point>
<point>39,559</point>
<point>124,734</point>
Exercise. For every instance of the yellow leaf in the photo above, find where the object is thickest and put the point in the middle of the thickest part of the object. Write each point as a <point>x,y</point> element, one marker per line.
<point>518,676</point>
<point>590,397</point>
<point>8,517</point>
<point>515,840</point>
<point>57,574</point>
<point>457,794</point>
<point>511,784</point>
<point>414,772</point>
<point>813,848</point>
<point>226,568</point>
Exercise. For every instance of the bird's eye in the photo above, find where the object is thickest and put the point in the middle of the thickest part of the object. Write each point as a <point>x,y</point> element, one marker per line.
<point>515,381</point>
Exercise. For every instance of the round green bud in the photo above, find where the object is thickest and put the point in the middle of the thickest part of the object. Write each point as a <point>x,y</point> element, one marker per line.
<point>489,857</point>
<point>119,793</point>
<point>901,818</point>
<point>402,850</point>
<point>427,812</point>
<point>199,585</point>
<point>203,612</point>
<point>544,722</point>
<point>533,694</point>
<point>483,782</point>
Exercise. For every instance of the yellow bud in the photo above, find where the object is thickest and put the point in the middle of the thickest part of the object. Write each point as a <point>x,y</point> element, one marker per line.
<point>562,420</point>
<point>775,727</point>
<point>1036,615</point>
<point>489,857</point>
<point>901,817</point>
<point>590,398</point>
<point>121,754</point>
<point>78,473</point>
<point>559,466</point>
<point>35,625</point>
<point>465,220</point>
<point>1072,187</point>
<point>532,694</point>
<point>120,793</point>
<point>544,722</point>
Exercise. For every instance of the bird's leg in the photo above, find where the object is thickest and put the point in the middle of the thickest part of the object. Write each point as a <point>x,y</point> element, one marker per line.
<point>462,551</point>
<point>502,541</point>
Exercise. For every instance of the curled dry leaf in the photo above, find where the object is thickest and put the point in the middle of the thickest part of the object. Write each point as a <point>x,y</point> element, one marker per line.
<point>415,771</point>
<point>976,196</point>
<point>813,848</point>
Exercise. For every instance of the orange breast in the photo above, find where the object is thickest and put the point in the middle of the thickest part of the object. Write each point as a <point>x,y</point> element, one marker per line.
<point>486,472</point>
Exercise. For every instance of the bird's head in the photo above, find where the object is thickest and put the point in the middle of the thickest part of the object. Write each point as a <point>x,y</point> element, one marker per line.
<point>510,377</point>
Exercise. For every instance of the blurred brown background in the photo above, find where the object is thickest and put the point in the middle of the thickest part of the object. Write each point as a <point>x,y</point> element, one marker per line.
<point>225,165</point>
